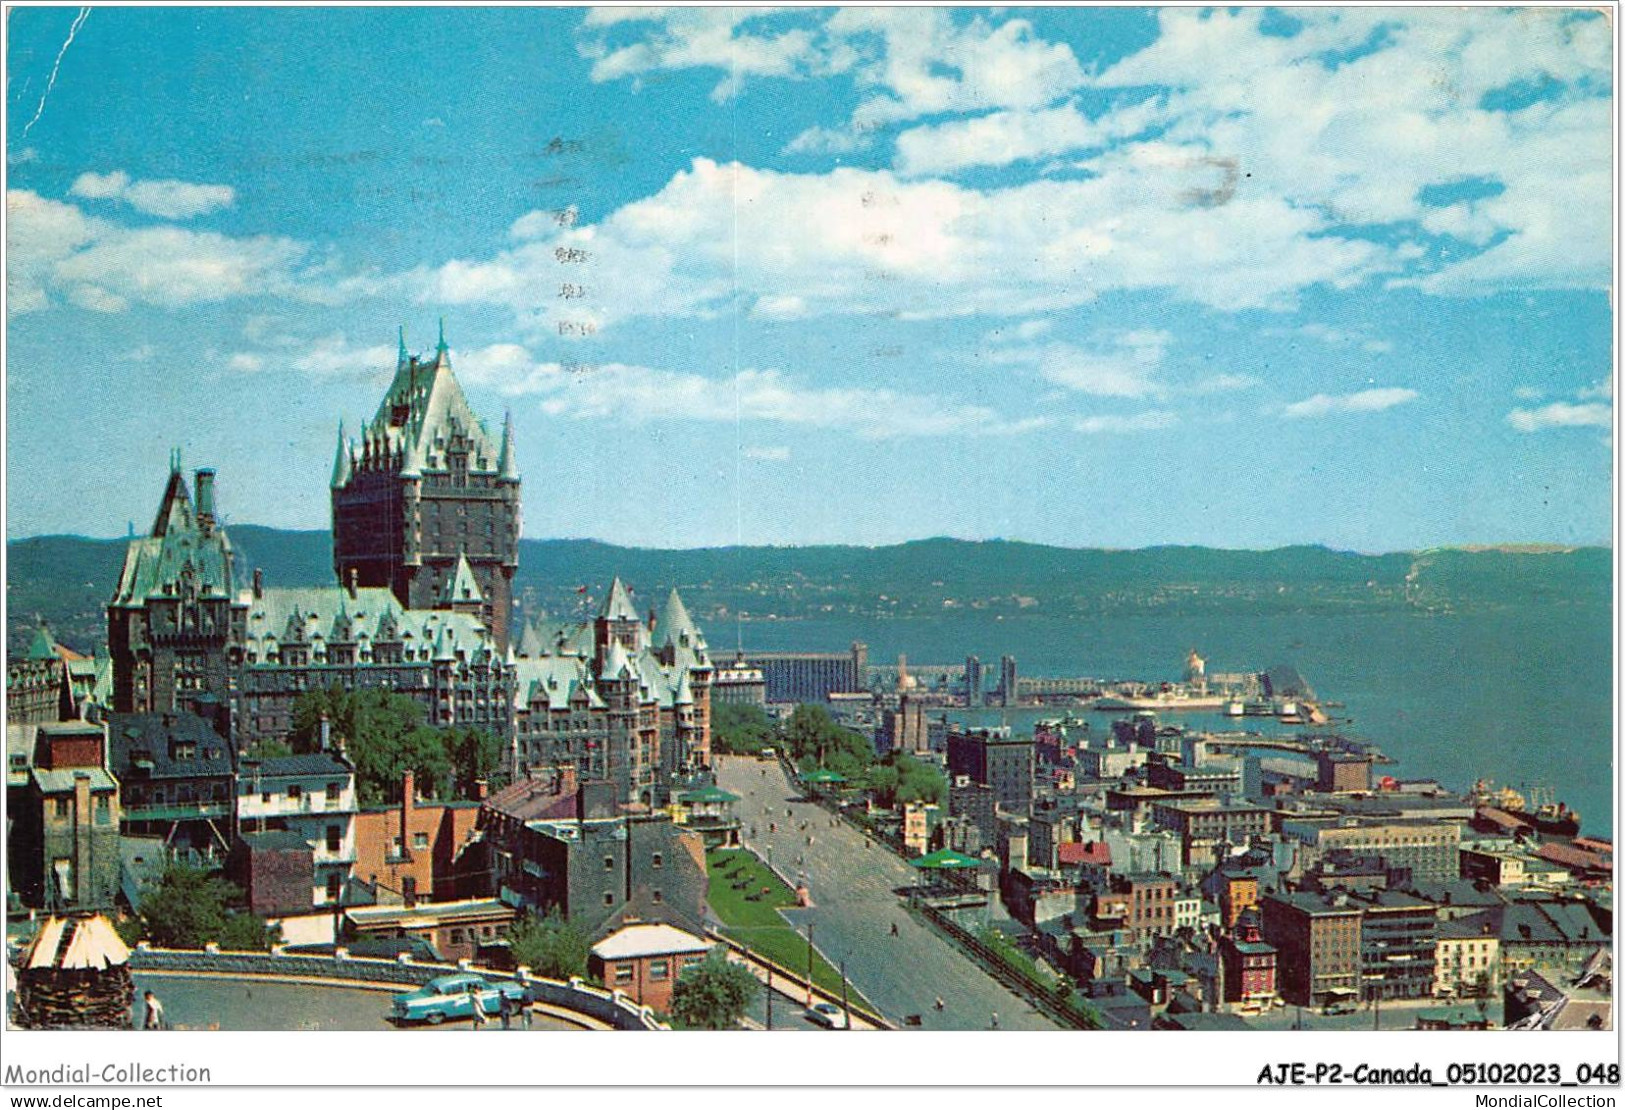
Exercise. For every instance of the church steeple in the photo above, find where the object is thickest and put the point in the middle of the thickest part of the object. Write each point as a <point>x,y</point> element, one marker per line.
<point>440,350</point>
<point>402,356</point>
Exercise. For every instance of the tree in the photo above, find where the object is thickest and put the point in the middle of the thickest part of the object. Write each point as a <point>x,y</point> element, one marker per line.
<point>815,740</point>
<point>740,729</point>
<point>384,736</point>
<point>550,946</point>
<point>712,994</point>
<point>918,781</point>
<point>189,907</point>
<point>476,756</point>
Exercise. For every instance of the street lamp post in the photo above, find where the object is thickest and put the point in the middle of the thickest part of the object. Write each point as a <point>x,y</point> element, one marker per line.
<point>809,963</point>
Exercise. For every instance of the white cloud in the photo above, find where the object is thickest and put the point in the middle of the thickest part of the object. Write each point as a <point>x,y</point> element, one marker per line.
<point>908,62</point>
<point>1604,389</point>
<point>1121,365</point>
<point>1528,393</point>
<point>828,140</point>
<point>638,394</point>
<point>779,308</point>
<point>1149,421</point>
<point>246,362</point>
<point>1366,400</point>
<point>715,38</point>
<point>1562,414</point>
<point>170,200</point>
<point>1359,127</point>
<point>766,454</point>
<point>867,241</point>
<point>335,356</point>
<point>1002,138</point>
<point>55,248</point>
<point>1223,383</point>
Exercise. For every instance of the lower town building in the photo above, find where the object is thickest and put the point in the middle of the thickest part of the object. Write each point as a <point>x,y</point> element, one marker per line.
<point>1207,827</point>
<point>598,867</point>
<point>176,780</point>
<point>1467,961</point>
<point>1398,933</point>
<point>1427,848</point>
<point>415,850</point>
<point>1318,944</point>
<point>1249,964</point>
<point>312,796</point>
<point>455,929</point>
<point>63,844</point>
<point>644,961</point>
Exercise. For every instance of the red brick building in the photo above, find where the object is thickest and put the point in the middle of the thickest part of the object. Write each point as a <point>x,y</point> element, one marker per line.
<point>1249,964</point>
<point>276,870</point>
<point>410,851</point>
<point>645,961</point>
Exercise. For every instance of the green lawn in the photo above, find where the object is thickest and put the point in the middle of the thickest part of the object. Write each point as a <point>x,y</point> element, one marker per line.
<point>757,924</point>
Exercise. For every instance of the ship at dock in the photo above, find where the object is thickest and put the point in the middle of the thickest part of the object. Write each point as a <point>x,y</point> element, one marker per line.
<point>1539,811</point>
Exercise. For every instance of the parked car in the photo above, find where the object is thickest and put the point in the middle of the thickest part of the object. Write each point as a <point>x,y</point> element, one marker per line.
<point>449,997</point>
<point>829,1015</point>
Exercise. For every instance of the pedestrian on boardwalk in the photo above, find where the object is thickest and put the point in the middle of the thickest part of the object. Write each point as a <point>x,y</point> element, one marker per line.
<point>155,1012</point>
<point>479,1010</point>
<point>939,1001</point>
<point>995,1019</point>
<point>894,928</point>
<point>505,1008</point>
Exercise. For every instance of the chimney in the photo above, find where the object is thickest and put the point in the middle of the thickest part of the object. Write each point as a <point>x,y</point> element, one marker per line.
<point>350,582</point>
<point>82,892</point>
<point>409,790</point>
<point>205,500</point>
<point>259,583</point>
<point>482,788</point>
<point>653,620</point>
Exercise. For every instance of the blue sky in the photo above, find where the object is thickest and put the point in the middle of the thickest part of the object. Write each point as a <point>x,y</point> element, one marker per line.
<point>1094,277</point>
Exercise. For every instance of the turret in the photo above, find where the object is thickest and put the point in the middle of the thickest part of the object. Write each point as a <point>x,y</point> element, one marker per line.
<point>341,461</point>
<point>507,462</point>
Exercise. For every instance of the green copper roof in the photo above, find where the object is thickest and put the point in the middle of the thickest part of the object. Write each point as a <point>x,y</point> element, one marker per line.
<point>508,462</point>
<point>423,410</point>
<point>341,461</point>
<point>177,555</point>
<point>320,615</point>
<point>618,605</point>
<point>463,585</point>
<point>42,648</point>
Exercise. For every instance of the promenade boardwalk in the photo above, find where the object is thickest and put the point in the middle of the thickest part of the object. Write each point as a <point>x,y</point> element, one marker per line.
<point>855,905</point>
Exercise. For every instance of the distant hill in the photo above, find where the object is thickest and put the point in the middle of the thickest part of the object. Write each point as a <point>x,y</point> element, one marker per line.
<point>67,579</point>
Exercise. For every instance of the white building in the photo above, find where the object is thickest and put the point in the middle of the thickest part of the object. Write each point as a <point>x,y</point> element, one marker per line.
<point>312,796</point>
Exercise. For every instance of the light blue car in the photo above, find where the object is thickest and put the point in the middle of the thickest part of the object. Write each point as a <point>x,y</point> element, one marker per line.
<point>449,997</point>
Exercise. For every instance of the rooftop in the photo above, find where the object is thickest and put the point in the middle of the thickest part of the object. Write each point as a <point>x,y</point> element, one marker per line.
<point>636,941</point>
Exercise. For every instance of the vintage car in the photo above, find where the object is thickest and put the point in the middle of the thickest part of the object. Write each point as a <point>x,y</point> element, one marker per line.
<point>449,996</point>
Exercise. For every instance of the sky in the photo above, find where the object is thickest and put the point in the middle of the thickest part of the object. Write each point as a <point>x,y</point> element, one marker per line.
<point>1097,277</point>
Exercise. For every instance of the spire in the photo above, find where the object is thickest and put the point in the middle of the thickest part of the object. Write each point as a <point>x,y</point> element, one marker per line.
<point>618,605</point>
<point>440,348</point>
<point>402,356</point>
<point>675,623</point>
<point>507,464</point>
<point>463,587</point>
<point>174,460</point>
<point>341,461</point>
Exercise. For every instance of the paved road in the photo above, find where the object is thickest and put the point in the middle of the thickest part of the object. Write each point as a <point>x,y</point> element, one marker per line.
<point>855,904</point>
<point>212,1002</point>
